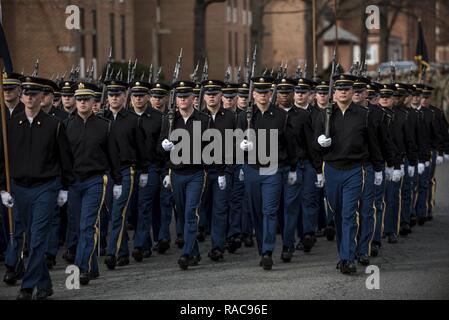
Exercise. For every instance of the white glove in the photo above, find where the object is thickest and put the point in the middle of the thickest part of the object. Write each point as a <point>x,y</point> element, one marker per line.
<point>378,178</point>
<point>246,145</point>
<point>389,173</point>
<point>117,192</point>
<point>397,175</point>
<point>241,175</point>
<point>167,182</point>
<point>411,171</point>
<point>62,197</point>
<point>292,178</point>
<point>427,164</point>
<point>440,160</point>
<point>222,182</point>
<point>402,170</point>
<point>324,142</point>
<point>7,199</point>
<point>446,157</point>
<point>167,145</point>
<point>143,180</point>
<point>319,181</point>
<point>421,168</point>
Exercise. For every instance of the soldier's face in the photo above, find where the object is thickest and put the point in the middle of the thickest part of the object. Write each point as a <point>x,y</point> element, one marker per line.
<point>322,98</point>
<point>84,106</point>
<point>116,100</point>
<point>139,102</point>
<point>284,99</point>
<point>57,102</point>
<point>344,95</point>
<point>425,101</point>
<point>96,107</point>
<point>386,102</point>
<point>360,96</point>
<point>374,100</point>
<point>11,94</point>
<point>229,102</point>
<point>157,102</point>
<point>395,100</point>
<point>212,100</point>
<point>407,100</point>
<point>416,100</point>
<point>32,101</point>
<point>302,98</point>
<point>184,103</point>
<point>262,98</point>
<point>68,101</point>
<point>47,100</point>
<point>242,102</point>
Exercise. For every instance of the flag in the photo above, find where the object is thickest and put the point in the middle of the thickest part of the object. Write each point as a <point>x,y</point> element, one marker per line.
<point>422,56</point>
<point>4,51</point>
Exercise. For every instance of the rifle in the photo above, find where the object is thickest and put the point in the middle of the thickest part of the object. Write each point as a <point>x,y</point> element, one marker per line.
<point>227,78</point>
<point>298,73</point>
<point>392,73</point>
<point>131,76</point>
<point>36,69</point>
<point>107,77</point>
<point>150,76</point>
<point>204,77</point>
<point>158,74</point>
<point>250,108</point>
<point>194,75</point>
<point>239,75</point>
<point>331,99</point>
<point>247,71</point>
<point>172,103</point>
<point>275,91</point>
<point>315,72</point>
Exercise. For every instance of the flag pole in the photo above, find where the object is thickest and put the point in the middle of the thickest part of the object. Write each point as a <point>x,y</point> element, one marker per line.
<point>6,153</point>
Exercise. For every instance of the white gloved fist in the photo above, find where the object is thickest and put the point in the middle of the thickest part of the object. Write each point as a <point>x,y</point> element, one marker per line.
<point>319,180</point>
<point>378,178</point>
<point>440,160</point>
<point>117,192</point>
<point>446,157</point>
<point>241,175</point>
<point>427,164</point>
<point>411,171</point>
<point>167,182</point>
<point>167,145</point>
<point>247,145</point>
<point>7,199</point>
<point>397,175</point>
<point>62,197</point>
<point>389,173</point>
<point>421,168</point>
<point>222,182</point>
<point>292,178</point>
<point>143,180</point>
<point>324,142</point>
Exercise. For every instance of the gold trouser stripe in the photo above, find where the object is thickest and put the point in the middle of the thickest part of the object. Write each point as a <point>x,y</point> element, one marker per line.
<point>97,222</point>
<point>201,198</point>
<point>400,207</point>
<point>384,211</point>
<point>120,236</point>
<point>357,213</point>
<point>433,190</point>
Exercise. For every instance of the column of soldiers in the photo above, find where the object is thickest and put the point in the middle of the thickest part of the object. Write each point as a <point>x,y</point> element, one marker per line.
<point>82,169</point>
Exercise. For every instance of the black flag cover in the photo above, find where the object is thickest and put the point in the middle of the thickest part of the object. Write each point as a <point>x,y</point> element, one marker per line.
<point>4,51</point>
<point>422,56</point>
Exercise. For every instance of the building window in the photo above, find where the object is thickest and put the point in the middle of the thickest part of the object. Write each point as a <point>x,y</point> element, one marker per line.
<point>94,35</point>
<point>372,54</point>
<point>229,12</point>
<point>123,36</point>
<point>235,16</point>
<point>112,32</point>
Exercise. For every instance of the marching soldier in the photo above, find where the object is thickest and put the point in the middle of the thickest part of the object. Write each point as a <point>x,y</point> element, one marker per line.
<point>35,187</point>
<point>96,108</point>
<point>68,96</point>
<point>95,155</point>
<point>187,176</point>
<point>351,144</point>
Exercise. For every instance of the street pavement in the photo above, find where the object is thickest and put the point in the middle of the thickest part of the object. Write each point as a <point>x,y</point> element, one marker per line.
<point>415,268</point>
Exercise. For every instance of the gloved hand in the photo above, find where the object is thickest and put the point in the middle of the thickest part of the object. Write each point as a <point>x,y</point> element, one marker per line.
<point>167,182</point>
<point>421,168</point>
<point>389,173</point>
<point>167,145</point>
<point>247,146</point>
<point>402,170</point>
<point>446,157</point>
<point>397,175</point>
<point>440,160</point>
<point>7,199</point>
<point>292,178</point>
<point>324,142</point>
<point>319,181</point>
<point>411,171</point>
<point>143,180</point>
<point>62,197</point>
<point>427,164</point>
<point>117,192</point>
<point>241,175</point>
<point>222,182</point>
<point>378,178</point>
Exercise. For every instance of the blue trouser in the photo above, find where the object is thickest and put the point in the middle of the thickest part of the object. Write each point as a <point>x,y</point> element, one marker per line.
<point>264,193</point>
<point>105,214</point>
<point>367,212</point>
<point>292,205</point>
<point>85,200</point>
<point>147,197</point>
<point>432,184</point>
<point>32,213</point>
<point>392,207</point>
<point>309,207</point>
<point>73,230</point>
<point>53,236</point>
<point>407,196</point>
<point>379,204</point>
<point>423,194</point>
<point>323,216</point>
<point>167,208</point>
<point>187,192</point>
<point>4,230</point>
<point>118,242</point>
<point>236,204</point>
<point>343,190</point>
<point>217,202</point>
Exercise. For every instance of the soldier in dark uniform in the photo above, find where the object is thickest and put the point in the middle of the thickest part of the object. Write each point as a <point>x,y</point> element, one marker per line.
<point>187,176</point>
<point>351,144</point>
<point>95,155</point>
<point>36,165</point>
<point>68,96</point>
<point>97,99</point>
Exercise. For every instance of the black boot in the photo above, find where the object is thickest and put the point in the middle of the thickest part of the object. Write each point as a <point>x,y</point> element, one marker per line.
<point>286,255</point>
<point>137,255</point>
<point>110,262</point>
